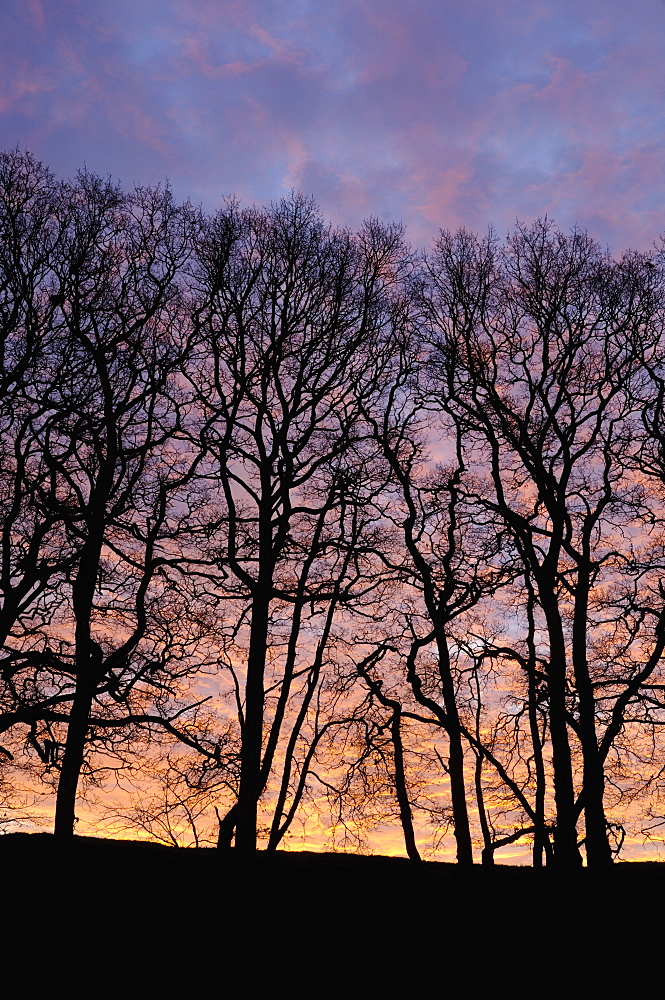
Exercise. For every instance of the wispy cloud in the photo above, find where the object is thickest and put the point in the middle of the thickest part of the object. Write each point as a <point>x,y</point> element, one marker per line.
<point>438,114</point>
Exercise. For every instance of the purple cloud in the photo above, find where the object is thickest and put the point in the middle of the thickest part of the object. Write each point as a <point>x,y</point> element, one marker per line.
<point>463,113</point>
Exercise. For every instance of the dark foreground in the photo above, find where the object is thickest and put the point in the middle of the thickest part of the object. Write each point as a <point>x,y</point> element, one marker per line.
<point>140,918</point>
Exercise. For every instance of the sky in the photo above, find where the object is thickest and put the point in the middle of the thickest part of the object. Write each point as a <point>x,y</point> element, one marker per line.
<point>438,113</point>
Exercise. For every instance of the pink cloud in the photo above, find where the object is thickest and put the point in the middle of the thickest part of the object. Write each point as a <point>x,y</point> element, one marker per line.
<point>438,114</point>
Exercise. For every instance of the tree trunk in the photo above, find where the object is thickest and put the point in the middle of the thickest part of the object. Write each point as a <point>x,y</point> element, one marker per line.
<point>88,670</point>
<point>540,836</point>
<point>252,731</point>
<point>72,761</point>
<point>566,851</point>
<point>455,755</point>
<point>597,846</point>
<point>401,790</point>
<point>227,826</point>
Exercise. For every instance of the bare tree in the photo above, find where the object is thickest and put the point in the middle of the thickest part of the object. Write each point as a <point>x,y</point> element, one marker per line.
<point>537,349</point>
<point>35,553</point>
<point>290,312</point>
<point>96,486</point>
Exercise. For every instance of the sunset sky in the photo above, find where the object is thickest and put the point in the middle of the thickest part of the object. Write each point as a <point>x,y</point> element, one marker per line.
<point>436,113</point>
<point>440,113</point>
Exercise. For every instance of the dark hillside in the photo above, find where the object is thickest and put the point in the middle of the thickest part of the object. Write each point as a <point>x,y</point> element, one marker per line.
<point>138,914</point>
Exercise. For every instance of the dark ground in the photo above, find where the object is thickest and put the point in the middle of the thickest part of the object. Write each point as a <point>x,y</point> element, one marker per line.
<point>123,918</point>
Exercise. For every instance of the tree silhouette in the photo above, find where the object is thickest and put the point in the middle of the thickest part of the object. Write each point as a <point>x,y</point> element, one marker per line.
<point>290,310</point>
<point>539,348</point>
<point>293,519</point>
<point>94,466</point>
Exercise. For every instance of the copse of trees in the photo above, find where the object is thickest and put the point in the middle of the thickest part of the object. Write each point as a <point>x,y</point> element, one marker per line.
<point>402,514</point>
<point>544,350</point>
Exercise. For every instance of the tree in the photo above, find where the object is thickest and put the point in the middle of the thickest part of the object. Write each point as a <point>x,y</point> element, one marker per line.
<point>289,314</point>
<point>537,349</point>
<point>446,559</point>
<point>96,498</point>
<point>35,555</point>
